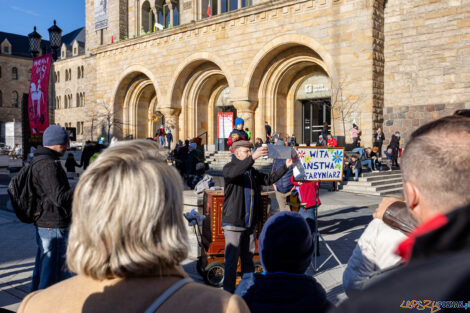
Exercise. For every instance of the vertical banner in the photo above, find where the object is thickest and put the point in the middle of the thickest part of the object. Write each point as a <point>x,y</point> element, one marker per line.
<point>101,14</point>
<point>38,102</point>
<point>225,124</point>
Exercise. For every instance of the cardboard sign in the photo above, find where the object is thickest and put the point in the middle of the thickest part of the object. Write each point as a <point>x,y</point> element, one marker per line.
<point>321,164</point>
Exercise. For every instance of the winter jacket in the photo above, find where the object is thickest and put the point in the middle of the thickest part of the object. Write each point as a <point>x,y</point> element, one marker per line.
<point>235,182</point>
<point>379,138</point>
<point>53,190</point>
<point>283,185</point>
<point>332,142</point>
<point>267,129</point>
<point>241,133</point>
<point>134,294</point>
<point>438,269</point>
<point>375,251</point>
<point>70,165</point>
<point>282,292</point>
<point>308,192</point>
<point>354,132</point>
<point>325,132</point>
<point>395,142</point>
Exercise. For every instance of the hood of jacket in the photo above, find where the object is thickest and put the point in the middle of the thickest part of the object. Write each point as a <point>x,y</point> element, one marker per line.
<point>46,151</point>
<point>283,292</point>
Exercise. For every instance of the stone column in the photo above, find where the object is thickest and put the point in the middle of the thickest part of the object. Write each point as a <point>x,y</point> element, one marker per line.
<point>219,7</point>
<point>239,4</point>
<point>246,110</point>
<point>171,120</point>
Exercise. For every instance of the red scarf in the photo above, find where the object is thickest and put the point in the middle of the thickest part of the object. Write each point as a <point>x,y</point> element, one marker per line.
<point>405,248</point>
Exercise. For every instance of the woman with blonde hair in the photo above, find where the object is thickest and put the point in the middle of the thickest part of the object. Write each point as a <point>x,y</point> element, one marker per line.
<point>127,241</point>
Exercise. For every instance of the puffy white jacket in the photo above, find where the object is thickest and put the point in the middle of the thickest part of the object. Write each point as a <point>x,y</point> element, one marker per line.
<point>374,252</point>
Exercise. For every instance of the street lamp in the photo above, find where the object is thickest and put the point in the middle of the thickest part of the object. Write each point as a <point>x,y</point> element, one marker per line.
<point>34,42</point>
<point>55,38</point>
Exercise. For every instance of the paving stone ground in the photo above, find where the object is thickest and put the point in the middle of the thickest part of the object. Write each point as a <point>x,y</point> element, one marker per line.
<point>342,218</point>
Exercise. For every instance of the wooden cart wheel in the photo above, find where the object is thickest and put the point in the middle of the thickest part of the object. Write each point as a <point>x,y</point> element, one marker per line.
<point>214,274</point>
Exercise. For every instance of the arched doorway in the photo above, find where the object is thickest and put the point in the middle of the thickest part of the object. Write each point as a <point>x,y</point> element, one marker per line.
<point>201,91</point>
<point>135,107</point>
<point>281,84</point>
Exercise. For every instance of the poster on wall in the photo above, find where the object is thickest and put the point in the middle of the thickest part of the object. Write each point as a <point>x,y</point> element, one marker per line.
<point>101,14</point>
<point>38,109</point>
<point>225,124</point>
<point>321,164</point>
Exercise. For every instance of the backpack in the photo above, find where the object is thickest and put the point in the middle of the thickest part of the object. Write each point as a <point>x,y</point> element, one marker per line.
<point>22,195</point>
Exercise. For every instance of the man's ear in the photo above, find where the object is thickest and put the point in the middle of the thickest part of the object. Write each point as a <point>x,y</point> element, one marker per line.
<point>412,195</point>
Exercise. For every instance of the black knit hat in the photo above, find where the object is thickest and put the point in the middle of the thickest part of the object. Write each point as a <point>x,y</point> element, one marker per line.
<point>286,244</point>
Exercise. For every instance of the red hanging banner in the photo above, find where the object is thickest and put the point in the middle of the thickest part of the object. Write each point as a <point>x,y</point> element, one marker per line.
<point>38,108</point>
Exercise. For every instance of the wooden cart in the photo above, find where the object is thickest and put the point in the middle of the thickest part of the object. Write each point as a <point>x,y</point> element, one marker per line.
<point>211,262</point>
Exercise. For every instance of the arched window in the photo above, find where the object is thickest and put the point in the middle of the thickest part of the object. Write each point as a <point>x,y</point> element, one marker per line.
<point>1,98</point>
<point>82,71</point>
<point>78,72</point>
<point>147,18</point>
<point>14,73</point>
<point>14,99</point>
<point>0,72</point>
<point>77,99</point>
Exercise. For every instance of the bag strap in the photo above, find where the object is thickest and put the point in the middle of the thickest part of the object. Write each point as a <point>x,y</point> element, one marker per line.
<point>168,293</point>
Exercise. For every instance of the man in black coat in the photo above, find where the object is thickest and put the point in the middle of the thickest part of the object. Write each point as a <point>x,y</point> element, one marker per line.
<point>379,138</point>
<point>55,199</point>
<point>242,207</point>
<point>436,184</point>
<point>267,129</point>
<point>395,146</point>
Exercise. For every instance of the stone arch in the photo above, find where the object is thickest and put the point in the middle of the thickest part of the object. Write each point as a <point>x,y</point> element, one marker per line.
<point>194,90</point>
<point>274,76</point>
<point>188,65</point>
<point>135,103</point>
<point>274,47</point>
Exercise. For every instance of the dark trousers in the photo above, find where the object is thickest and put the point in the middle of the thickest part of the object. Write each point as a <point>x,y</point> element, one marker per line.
<point>355,139</point>
<point>395,157</point>
<point>238,244</point>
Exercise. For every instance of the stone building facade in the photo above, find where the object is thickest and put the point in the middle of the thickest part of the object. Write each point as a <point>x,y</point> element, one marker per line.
<point>427,68</point>
<point>293,63</point>
<point>15,74</point>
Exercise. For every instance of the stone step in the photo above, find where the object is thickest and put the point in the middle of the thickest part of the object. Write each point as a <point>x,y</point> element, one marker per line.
<point>374,183</point>
<point>359,188</point>
<point>397,192</point>
<point>378,178</point>
<point>382,173</point>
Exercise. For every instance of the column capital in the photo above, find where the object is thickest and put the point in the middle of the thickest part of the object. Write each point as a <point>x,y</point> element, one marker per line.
<point>244,105</point>
<point>169,111</point>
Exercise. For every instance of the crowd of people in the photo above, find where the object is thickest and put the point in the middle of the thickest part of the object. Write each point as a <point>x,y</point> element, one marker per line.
<point>115,241</point>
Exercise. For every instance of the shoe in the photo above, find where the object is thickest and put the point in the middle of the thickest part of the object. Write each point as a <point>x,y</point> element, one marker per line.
<point>390,170</point>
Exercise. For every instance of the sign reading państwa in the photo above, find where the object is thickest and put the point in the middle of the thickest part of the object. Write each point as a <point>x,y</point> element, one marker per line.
<point>321,164</point>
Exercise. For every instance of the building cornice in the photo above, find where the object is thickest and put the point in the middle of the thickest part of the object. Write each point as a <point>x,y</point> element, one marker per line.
<point>228,20</point>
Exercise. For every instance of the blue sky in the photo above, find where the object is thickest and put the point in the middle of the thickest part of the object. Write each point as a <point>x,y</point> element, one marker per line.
<point>20,16</point>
